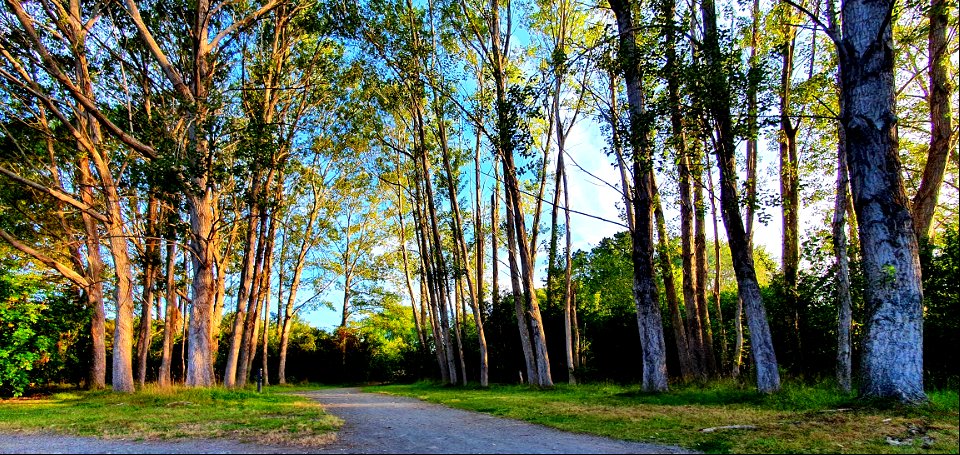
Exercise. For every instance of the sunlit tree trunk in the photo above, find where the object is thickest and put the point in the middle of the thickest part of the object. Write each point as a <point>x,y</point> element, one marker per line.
<point>644,285</point>
<point>462,256</point>
<point>892,360</point>
<point>669,285</point>
<point>246,284</point>
<point>526,342</point>
<point>718,105</point>
<point>94,292</point>
<point>789,184</point>
<point>688,367</point>
<point>941,123</point>
<point>150,262</point>
<point>170,316</point>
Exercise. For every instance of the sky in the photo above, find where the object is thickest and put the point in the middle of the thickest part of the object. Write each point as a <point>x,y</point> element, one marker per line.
<point>585,146</point>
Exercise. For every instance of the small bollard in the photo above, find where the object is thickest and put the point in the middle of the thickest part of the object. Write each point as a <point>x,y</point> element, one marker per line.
<point>260,381</point>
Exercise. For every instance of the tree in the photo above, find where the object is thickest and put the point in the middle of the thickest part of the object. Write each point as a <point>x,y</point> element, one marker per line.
<point>892,359</point>
<point>718,106</point>
<point>645,289</point>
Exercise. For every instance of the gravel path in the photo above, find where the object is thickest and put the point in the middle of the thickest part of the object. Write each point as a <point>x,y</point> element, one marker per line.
<point>49,443</point>
<point>374,423</point>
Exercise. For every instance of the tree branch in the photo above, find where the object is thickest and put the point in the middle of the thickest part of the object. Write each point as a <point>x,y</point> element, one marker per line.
<point>67,272</point>
<point>59,195</point>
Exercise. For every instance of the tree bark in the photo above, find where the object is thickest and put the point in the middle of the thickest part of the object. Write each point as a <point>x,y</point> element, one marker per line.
<point>716,273</point>
<point>844,306</point>
<point>246,283</point>
<point>941,125</point>
<point>251,314</point>
<point>892,360</point>
<point>753,83</point>
<point>98,368</point>
<point>462,257</point>
<point>170,317</point>
<point>670,287</point>
<point>789,186</point>
<point>686,345</point>
<point>569,321</point>
<point>150,260</point>
<point>526,342</point>
<point>644,285</point>
<point>840,208</point>
<point>718,105</point>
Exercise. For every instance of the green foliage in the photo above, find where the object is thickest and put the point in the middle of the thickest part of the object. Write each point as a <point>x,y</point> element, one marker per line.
<point>42,332</point>
<point>940,262</point>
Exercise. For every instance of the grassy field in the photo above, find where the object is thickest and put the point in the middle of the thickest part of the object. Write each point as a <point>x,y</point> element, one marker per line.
<point>799,419</point>
<point>273,417</point>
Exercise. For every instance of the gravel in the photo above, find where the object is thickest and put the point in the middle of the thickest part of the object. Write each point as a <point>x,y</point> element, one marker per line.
<point>373,423</point>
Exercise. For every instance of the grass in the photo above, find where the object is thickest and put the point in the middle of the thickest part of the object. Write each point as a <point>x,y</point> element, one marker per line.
<point>273,417</point>
<point>798,419</point>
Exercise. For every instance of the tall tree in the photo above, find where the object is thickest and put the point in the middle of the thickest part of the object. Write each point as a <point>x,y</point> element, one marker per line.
<point>941,122</point>
<point>718,106</point>
<point>644,285</point>
<point>892,358</point>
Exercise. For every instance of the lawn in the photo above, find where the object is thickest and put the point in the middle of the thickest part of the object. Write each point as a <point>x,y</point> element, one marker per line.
<point>799,419</point>
<point>273,417</point>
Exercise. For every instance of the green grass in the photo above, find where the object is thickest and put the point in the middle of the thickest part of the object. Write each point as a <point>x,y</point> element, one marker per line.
<point>798,419</point>
<point>273,417</point>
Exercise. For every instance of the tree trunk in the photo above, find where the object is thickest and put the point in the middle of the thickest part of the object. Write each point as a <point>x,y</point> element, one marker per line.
<point>266,338</point>
<point>526,341</point>
<point>151,255</point>
<point>840,208</point>
<point>844,304</point>
<point>941,127</point>
<point>718,105</point>
<point>427,288</point>
<point>625,188</point>
<point>94,292</point>
<point>753,130</point>
<point>459,328</point>
<point>569,321</point>
<point>247,336</point>
<point>202,203</point>
<point>495,244</point>
<point>686,345</point>
<point>695,329</point>
<point>753,83</point>
<point>666,270</point>
<point>789,187</point>
<point>716,273</point>
<point>246,283</point>
<point>462,257</point>
<point>200,359</point>
<point>892,360</point>
<point>644,285</point>
<point>170,316</point>
<point>505,132</point>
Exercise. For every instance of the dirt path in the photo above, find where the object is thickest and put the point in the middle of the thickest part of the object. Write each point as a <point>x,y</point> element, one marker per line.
<point>374,423</point>
<point>50,443</point>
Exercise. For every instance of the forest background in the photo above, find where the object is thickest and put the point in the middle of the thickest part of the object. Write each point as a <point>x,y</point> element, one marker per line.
<point>184,182</point>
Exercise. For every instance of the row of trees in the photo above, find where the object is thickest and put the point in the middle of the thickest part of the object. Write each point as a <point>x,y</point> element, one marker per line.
<point>225,155</point>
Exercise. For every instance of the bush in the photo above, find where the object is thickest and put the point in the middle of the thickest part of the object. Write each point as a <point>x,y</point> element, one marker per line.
<point>42,336</point>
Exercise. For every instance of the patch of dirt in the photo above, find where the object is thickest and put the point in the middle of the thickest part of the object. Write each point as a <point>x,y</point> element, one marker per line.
<point>376,423</point>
